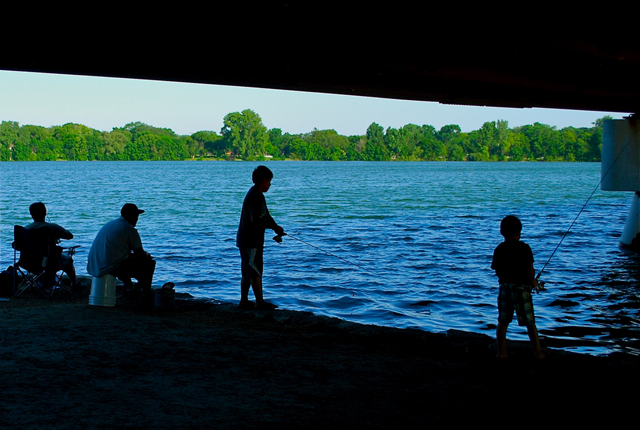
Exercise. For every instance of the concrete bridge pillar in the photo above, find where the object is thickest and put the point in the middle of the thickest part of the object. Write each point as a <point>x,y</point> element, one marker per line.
<point>620,171</point>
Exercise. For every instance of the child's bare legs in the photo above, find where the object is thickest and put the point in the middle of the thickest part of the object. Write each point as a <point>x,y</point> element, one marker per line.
<point>532,331</point>
<point>245,286</point>
<point>251,283</point>
<point>501,337</point>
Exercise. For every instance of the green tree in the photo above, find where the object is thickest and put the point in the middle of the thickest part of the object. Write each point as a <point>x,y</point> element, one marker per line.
<point>375,149</point>
<point>39,143</point>
<point>298,149</point>
<point>245,134</point>
<point>207,143</point>
<point>416,142</point>
<point>448,133</point>
<point>152,143</point>
<point>504,139</point>
<point>95,145</point>
<point>543,141</point>
<point>487,143</point>
<point>8,138</point>
<point>519,149</point>
<point>115,143</point>
<point>327,144</point>
<point>568,137</point>
<point>403,143</point>
<point>357,144</point>
<point>277,142</point>
<point>396,144</point>
<point>74,138</point>
<point>594,144</point>
<point>455,152</point>
<point>600,121</point>
<point>432,149</point>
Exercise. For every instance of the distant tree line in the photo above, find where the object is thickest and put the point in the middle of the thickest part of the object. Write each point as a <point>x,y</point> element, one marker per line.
<point>243,136</point>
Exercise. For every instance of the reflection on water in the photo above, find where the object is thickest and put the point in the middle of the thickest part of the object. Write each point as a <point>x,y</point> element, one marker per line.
<point>425,230</point>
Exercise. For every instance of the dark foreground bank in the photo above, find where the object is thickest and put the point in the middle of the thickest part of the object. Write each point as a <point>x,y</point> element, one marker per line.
<point>65,364</point>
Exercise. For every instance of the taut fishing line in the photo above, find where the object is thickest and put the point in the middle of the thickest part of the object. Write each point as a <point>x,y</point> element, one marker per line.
<point>326,252</point>
<point>390,309</point>
<point>581,209</point>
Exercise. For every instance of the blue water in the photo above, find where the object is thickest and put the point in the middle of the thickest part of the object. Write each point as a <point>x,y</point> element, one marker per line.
<point>415,240</point>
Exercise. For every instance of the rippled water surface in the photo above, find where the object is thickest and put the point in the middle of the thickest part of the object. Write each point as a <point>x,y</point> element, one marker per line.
<point>422,233</point>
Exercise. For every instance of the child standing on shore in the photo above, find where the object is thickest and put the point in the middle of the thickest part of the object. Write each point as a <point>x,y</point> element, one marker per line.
<point>254,220</point>
<point>513,263</point>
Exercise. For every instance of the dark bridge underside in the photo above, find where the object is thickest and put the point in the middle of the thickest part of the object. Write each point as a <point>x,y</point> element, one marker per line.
<point>479,60</point>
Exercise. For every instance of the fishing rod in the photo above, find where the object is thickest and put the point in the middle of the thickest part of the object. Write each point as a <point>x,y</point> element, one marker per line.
<point>71,250</point>
<point>279,240</point>
<point>581,209</point>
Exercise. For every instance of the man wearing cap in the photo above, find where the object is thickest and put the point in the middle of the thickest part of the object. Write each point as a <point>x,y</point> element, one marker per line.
<point>117,250</point>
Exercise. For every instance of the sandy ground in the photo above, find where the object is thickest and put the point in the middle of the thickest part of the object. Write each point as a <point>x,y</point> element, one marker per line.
<point>67,365</point>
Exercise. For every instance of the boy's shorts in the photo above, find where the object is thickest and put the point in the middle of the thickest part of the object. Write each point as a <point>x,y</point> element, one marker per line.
<point>251,264</point>
<point>515,297</point>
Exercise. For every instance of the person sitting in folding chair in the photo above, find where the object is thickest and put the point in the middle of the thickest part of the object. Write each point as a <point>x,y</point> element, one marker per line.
<point>38,212</point>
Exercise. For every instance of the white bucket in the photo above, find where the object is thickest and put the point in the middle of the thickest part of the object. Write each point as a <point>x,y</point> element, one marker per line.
<point>103,291</point>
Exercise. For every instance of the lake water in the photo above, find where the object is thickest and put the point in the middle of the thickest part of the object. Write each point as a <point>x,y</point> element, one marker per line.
<point>422,233</point>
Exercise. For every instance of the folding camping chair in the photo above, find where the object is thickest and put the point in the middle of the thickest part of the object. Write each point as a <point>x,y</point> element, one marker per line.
<point>38,265</point>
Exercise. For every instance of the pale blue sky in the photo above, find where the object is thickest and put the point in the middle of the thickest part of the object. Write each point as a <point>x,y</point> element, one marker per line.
<point>104,103</point>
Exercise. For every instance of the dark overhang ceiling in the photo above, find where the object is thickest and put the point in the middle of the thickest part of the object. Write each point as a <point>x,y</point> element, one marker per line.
<point>400,55</point>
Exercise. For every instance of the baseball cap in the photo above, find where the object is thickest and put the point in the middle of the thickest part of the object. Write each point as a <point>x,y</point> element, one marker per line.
<point>130,209</point>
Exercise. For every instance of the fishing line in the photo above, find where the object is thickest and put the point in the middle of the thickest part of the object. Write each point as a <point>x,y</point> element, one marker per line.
<point>331,254</point>
<point>379,303</point>
<point>583,206</point>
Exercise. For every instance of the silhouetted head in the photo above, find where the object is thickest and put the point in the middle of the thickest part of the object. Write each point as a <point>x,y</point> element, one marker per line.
<point>510,226</point>
<point>130,212</point>
<point>38,211</point>
<point>260,173</point>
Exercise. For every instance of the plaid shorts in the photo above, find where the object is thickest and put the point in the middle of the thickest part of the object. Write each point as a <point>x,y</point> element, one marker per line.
<point>515,297</point>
